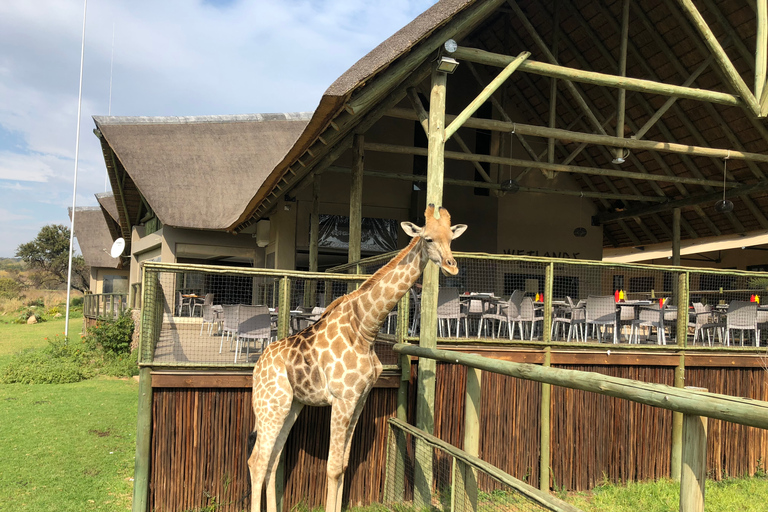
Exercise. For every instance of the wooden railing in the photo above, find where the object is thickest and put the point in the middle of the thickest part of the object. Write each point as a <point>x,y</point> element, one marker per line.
<point>98,305</point>
<point>695,404</point>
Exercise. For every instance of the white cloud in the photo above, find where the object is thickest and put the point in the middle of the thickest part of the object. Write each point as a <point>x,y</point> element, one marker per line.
<point>175,57</point>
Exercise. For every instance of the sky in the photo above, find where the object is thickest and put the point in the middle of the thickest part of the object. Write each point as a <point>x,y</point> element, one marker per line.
<point>169,58</point>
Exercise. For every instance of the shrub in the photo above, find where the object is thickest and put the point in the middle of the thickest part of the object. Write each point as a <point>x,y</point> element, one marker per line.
<point>114,335</point>
<point>41,367</point>
<point>9,288</point>
<point>76,302</point>
<point>36,303</point>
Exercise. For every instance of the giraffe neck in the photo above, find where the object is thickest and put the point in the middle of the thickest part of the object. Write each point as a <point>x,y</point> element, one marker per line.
<point>377,296</point>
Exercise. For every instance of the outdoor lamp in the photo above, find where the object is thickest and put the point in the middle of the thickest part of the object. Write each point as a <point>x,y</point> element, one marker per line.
<point>447,64</point>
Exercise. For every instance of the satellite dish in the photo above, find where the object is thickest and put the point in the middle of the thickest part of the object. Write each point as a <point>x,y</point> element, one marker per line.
<point>117,248</point>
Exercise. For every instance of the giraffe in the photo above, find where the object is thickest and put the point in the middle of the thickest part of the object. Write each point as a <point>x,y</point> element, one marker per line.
<point>332,362</point>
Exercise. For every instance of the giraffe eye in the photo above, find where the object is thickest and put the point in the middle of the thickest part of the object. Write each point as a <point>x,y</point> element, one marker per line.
<point>427,239</point>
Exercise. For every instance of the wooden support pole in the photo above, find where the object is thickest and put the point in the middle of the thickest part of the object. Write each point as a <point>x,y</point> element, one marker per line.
<point>142,465</point>
<point>284,308</point>
<point>464,490</point>
<point>682,296</point>
<point>544,425</point>
<point>310,299</point>
<point>761,51</point>
<point>622,98</point>
<point>515,162</point>
<point>594,78</point>
<point>694,461</point>
<point>425,392</point>
<point>486,93</point>
<point>729,71</point>
<point>553,87</point>
<point>356,198</point>
<point>676,237</point>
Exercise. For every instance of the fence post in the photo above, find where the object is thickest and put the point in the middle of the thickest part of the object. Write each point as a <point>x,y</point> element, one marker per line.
<point>284,308</point>
<point>112,305</point>
<point>682,337</point>
<point>143,443</point>
<point>694,461</point>
<point>464,488</point>
<point>544,422</point>
<point>549,273</point>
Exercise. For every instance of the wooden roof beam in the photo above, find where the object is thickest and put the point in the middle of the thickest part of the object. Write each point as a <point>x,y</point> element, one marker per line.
<point>761,54</point>
<point>516,162</point>
<point>760,186</point>
<point>731,74</point>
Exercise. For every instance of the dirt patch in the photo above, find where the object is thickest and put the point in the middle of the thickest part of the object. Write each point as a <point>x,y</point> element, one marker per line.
<point>91,472</point>
<point>100,433</point>
<point>40,402</point>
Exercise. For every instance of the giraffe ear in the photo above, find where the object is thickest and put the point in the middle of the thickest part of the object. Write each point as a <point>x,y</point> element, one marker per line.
<point>458,230</point>
<point>411,229</point>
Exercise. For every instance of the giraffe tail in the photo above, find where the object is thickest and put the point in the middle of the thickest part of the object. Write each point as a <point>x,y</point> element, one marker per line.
<point>251,444</point>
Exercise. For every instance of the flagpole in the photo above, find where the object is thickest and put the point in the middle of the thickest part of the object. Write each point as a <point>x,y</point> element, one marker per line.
<point>74,191</point>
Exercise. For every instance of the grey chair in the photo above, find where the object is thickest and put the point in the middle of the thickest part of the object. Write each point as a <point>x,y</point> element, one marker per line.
<point>571,316</point>
<point>253,323</point>
<point>181,302</point>
<point>600,315</point>
<point>228,324</point>
<point>741,316</point>
<point>449,309</point>
<point>506,313</point>
<point>528,319</point>
<point>207,301</point>
<point>699,319</point>
<point>209,318</point>
<point>654,317</point>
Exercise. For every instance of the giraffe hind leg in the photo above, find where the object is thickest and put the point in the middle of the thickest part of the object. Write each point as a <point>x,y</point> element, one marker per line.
<point>274,460</point>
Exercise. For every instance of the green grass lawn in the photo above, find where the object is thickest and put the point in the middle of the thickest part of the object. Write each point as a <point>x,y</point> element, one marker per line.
<point>17,337</point>
<point>64,447</point>
<point>732,494</point>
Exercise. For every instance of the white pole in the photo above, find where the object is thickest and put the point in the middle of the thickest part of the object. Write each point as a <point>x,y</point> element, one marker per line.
<point>74,191</point>
<point>109,108</point>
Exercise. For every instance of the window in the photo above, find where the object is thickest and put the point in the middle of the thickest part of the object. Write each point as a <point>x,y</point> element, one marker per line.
<point>115,284</point>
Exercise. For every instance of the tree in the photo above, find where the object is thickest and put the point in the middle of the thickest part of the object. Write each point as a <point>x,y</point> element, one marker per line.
<point>48,259</point>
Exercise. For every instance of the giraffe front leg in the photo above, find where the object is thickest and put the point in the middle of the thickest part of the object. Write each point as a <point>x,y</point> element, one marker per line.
<point>274,460</point>
<point>341,415</point>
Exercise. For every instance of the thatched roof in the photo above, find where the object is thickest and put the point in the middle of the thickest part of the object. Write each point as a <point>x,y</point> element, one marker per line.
<point>664,47</point>
<point>93,236</point>
<point>199,172</point>
<point>111,213</point>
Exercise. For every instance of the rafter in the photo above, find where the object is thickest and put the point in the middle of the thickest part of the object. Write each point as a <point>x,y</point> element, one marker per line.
<point>729,70</point>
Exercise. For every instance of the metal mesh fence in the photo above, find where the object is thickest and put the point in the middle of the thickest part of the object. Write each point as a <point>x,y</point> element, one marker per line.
<point>424,473</point>
<point>218,316</point>
<point>523,300</point>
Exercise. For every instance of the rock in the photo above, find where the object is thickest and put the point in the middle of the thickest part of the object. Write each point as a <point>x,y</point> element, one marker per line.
<point>32,320</point>
<point>57,315</point>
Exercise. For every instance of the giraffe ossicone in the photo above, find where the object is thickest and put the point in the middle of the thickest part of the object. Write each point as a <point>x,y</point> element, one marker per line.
<point>332,362</point>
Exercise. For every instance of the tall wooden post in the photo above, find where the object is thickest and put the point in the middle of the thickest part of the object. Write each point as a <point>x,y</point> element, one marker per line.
<point>682,336</point>
<point>143,442</point>
<point>544,424</point>
<point>761,50</point>
<point>694,461</point>
<point>425,389</point>
<point>356,198</point>
<point>464,496</point>
<point>676,237</point>
<point>310,299</point>
<point>622,99</point>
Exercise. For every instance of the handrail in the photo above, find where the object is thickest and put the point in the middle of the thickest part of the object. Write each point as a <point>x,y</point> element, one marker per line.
<point>530,492</point>
<point>159,266</point>
<point>743,411</point>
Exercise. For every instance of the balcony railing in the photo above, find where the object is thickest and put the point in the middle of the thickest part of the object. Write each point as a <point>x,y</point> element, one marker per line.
<point>99,305</point>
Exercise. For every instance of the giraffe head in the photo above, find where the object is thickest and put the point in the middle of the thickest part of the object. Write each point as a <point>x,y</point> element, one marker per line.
<point>436,236</point>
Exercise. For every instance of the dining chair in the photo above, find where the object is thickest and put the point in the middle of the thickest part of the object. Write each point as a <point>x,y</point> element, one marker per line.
<point>253,323</point>
<point>449,309</point>
<point>568,315</point>
<point>181,301</point>
<point>528,318</point>
<point>506,314</point>
<point>698,320</point>
<point>741,316</point>
<point>228,324</point>
<point>652,317</point>
<point>207,301</point>
<point>209,317</point>
<point>600,314</point>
